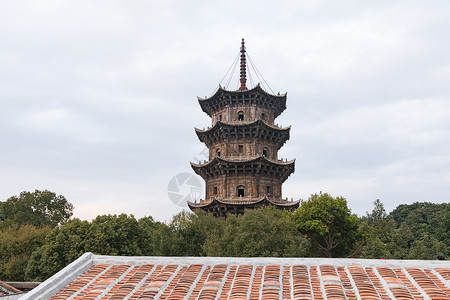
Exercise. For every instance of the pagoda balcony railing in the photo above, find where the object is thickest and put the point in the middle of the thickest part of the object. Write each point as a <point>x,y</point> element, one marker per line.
<point>243,123</point>
<point>244,157</point>
<point>241,200</point>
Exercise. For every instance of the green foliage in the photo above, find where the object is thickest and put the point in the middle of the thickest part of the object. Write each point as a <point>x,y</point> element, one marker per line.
<point>420,231</point>
<point>378,230</point>
<point>41,208</point>
<point>62,246</point>
<point>16,245</point>
<point>261,232</point>
<point>2,218</point>
<point>420,217</point>
<point>400,243</point>
<point>153,237</point>
<point>114,235</point>
<point>427,248</point>
<point>321,226</point>
<point>107,235</point>
<point>378,223</point>
<point>411,231</point>
<point>189,231</point>
<point>329,224</point>
<point>445,226</point>
<point>374,248</point>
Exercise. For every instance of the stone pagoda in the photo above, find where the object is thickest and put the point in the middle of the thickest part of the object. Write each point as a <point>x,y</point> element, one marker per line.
<point>243,170</point>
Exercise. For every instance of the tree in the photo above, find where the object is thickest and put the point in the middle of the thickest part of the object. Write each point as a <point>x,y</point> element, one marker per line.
<point>189,232</point>
<point>445,226</point>
<point>427,248</point>
<point>62,245</point>
<point>261,232</point>
<point>106,235</point>
<point>154,237</point>
<point>377,229</point>
<point>1,216</point>
<point>374,247</point>
<point>41,208</point>
<point>421,231</point>
<point>16,245</point>
<point>329,224</point>
<point>400,243</point>
<point>420,217</point>
<point>114,235</point>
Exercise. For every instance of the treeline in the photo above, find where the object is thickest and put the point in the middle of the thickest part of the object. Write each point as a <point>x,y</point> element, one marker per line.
<point>38,238</point>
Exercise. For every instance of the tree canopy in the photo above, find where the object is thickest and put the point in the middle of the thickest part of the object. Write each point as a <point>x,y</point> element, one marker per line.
<point>30,249</point>
<point>329,224</point>
<point>106,234</point>
<point>17,243</point>
<point>378,230</point>
<point>262,232</point>
<point>421,217</point>
<point>40,208</point>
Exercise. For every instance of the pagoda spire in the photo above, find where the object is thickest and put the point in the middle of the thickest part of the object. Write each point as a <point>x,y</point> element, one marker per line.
<point>243,78</point>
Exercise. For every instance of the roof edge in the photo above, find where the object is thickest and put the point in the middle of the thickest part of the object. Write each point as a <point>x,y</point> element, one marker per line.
<point>221,89</point>
<point>310,261</point>
<point>282,203</point>
<point>245,159</point>
<point>242,124</point>
<point>61,279</point>
<point>8,288</point>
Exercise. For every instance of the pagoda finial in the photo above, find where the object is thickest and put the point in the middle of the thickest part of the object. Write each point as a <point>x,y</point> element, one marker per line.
<point>243,68</point>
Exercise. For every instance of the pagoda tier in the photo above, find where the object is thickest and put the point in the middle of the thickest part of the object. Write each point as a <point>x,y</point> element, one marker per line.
<point>254,97</point>
<point>239,130</point>
<point>240,166</point>
<point>221,207</point>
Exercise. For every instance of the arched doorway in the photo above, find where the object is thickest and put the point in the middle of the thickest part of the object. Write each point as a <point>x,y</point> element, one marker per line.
<point>240,191</point>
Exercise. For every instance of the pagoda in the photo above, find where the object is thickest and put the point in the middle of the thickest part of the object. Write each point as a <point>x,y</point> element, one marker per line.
<point>243,170</point>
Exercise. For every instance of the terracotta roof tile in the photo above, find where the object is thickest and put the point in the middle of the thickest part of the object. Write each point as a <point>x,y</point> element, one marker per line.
<point>257,278</point>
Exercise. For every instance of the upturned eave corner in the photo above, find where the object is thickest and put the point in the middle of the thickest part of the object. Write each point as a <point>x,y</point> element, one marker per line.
<point>220,90</point>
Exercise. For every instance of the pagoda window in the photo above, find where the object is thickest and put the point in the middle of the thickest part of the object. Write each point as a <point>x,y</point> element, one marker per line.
<point>215,190</point>
<point>268,189</point>
<point>265,152</point>
<point>220,117</point>
<point>240,191</point>
<point>263,116</point>
<point>241,149</point>
<point>218,152</point>
<point>241,116</point>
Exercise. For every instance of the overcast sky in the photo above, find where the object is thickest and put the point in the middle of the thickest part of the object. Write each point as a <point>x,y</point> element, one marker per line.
<point>98,99</point>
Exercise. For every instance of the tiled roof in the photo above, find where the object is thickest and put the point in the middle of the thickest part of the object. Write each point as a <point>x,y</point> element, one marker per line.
<point>108,277</point>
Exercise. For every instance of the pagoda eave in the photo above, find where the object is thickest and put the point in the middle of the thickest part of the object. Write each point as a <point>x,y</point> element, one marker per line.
<point>258,87</point>
<point>255,129</point>
<point>258,165</point>
<point>221,124</point>
<point>220,207</point>
<point>217,101</point>
<point>245,159</point>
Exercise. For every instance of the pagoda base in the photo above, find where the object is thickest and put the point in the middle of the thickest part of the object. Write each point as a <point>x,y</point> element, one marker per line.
<point>221,207</point>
